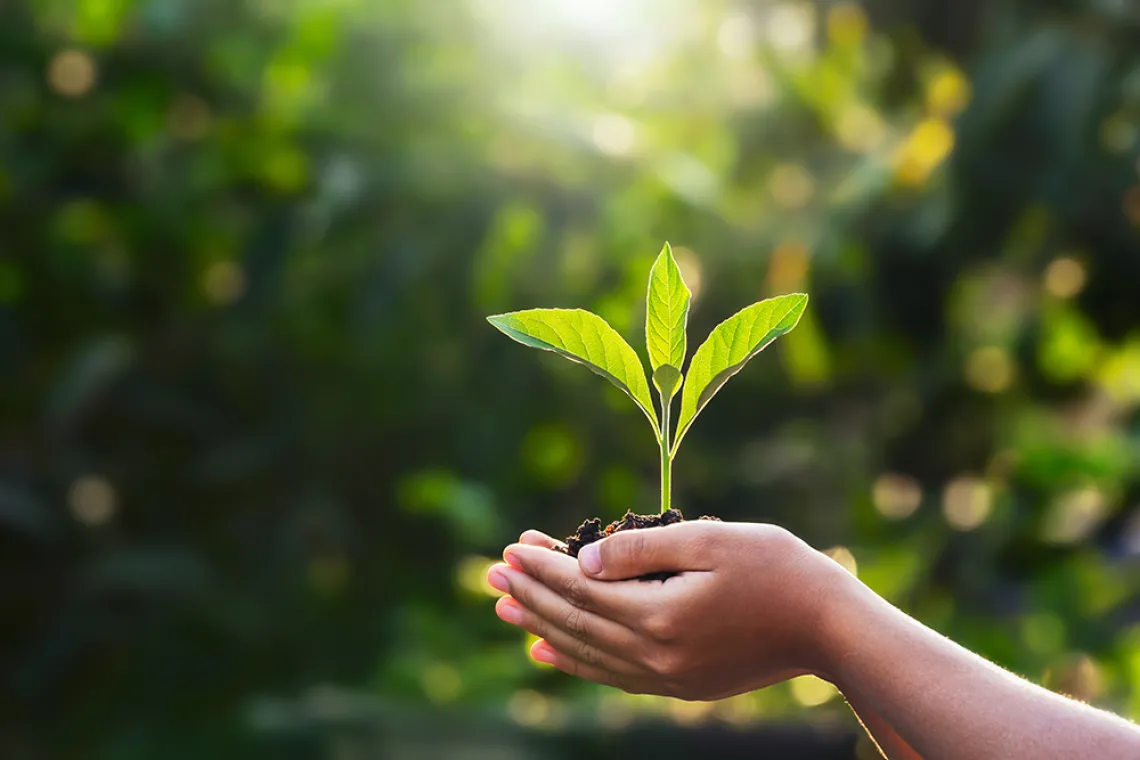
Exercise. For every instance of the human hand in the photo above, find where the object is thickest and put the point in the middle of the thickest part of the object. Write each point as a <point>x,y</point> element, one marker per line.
<point>744,612</point>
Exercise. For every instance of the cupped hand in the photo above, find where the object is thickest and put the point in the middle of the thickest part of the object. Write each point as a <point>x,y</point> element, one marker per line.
<point>744,611</point>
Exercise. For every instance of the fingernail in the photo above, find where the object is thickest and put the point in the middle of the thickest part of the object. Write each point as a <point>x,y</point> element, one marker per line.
<point>509,612</point>
<point>498,581</point>
<point>543,654</point>
<point>590,559</point>
<point>511,559</point>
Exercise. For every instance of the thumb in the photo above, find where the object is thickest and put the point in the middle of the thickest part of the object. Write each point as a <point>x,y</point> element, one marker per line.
<point>632,553</point>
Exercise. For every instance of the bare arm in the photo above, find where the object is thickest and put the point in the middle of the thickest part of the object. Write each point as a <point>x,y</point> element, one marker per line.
<point>948,702</point>
<point>793,611</point>
<point>886,738</point>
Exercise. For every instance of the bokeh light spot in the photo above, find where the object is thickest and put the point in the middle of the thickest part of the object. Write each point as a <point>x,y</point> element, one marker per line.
<point>896,497</point>
<point>554,454</point>
<point>736,36</point>
<point>690,713</point>
<point>1043,632</point>
<point>691,270</point>
<point>860,129</point>
<point>72,73</point>
<point>471,575</point>
<point>966,502</point>
<point>285,169</point>
<point>811,691</point>
<point>923,152</point>
<point>1078,676</point>
<point>528,707</point>
<point>843,556</point>
<point>791,27</point>
<point>1065,277</point>
<point>613,134</point>
<point>1131,205</point>
<point>1074,516</point>
<point>92,500</point>
<point>614,710</point>
<point>224,282</point>
<point>788,267</point>
<point>948,93</point>
<point>741,710</point>
<point>1118,134</point>
<point>846,24</point>
<point>752,87</point>
<point>791,186</point>
<point>441,683</point>
<point>990,369</point>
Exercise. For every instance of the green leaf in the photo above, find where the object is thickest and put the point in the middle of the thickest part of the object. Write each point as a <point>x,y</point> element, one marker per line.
<point>667,378</point>
<point>584,338</point>
<point>729,347</point>
<point>666,314</point>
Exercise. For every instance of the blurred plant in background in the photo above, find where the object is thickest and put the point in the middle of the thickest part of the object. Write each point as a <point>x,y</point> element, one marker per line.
<point>257,443</point>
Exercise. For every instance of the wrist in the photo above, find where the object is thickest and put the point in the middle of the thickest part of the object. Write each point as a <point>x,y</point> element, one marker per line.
<point>840,602</point>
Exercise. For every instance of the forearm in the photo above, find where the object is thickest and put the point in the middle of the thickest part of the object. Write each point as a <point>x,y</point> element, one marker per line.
<point>947,702</point>
<point>893,746</point>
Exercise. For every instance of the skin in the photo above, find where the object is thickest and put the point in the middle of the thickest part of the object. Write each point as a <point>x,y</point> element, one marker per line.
<point>754,605</point>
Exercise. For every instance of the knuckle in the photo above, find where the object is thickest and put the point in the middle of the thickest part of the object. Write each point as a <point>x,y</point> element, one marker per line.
<point>523,594</point>
<point>660,627</point>
<point>574,591</point>
<point>665,664</point>
<point>574,623</point>
<point>589,655</point>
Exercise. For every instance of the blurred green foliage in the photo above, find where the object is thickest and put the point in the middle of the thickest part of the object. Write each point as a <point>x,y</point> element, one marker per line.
<point>257,442</point>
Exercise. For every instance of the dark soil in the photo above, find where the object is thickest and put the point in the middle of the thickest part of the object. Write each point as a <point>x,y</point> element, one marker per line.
<point>592,530</point>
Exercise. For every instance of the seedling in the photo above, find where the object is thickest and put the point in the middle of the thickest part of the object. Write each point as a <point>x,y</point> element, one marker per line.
<point>588,339</point>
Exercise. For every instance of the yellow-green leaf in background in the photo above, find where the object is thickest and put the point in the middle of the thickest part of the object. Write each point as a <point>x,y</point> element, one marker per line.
<point>666,314</point>
<point>729,347</point>
<point>584,338</point>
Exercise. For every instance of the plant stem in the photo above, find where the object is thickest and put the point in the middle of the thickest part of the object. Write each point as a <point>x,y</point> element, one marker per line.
<point>666,455</point>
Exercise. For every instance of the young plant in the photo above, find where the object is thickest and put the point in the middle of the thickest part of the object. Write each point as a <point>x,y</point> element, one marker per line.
<point>586,338</point>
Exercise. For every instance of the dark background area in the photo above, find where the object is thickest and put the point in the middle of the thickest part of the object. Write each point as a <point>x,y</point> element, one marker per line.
<point>258,444</point>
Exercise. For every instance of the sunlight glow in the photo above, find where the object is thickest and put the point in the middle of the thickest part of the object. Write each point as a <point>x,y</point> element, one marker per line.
<point>628,30</point>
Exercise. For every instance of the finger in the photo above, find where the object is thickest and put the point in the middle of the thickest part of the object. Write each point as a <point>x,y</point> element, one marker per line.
<point>510,611</point>
<point>538,538</point>
<point>681,547</point>
<point>579,631</point>
<point>625,603</point>
<point>543,651</point>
